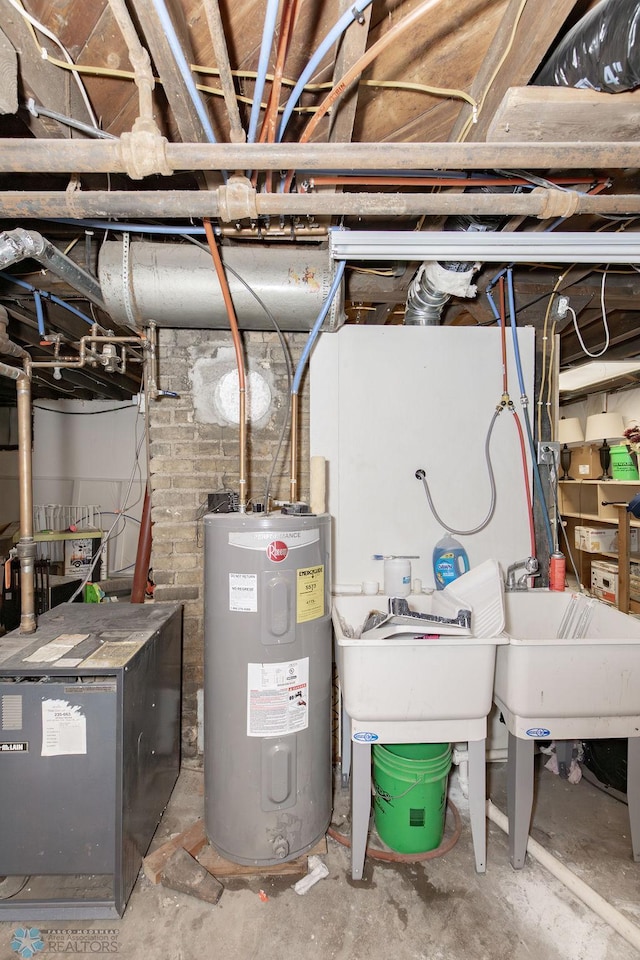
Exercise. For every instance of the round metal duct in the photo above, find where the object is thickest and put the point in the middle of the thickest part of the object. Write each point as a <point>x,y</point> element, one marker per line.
<point>175,284</point>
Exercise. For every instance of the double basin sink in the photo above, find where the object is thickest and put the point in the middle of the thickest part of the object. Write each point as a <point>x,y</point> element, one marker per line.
<point>565,666</point>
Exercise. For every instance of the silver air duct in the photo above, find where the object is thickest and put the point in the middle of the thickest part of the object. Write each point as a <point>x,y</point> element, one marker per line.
<point>431,288</point>
<point>175,285</point>
<point>17,245</point>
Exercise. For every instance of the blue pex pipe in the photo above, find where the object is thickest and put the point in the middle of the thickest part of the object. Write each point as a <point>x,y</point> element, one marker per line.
<point>523,398</point>
<point>316,327</point>
<point>47,296</point>
<point>263,65</point>
<point>185,70</point>
<point>334,35</point>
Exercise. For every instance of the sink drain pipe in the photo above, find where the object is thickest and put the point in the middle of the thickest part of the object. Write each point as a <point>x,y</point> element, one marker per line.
<point>578,887</point>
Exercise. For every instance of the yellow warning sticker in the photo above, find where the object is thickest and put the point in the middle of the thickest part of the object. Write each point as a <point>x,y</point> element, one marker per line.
<point>310,593</point>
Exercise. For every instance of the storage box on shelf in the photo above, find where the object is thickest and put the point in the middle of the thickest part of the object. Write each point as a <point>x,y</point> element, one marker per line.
<point>588,508</point>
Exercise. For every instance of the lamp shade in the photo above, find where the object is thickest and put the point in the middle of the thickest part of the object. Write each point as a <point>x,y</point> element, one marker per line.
<point>570,430</point>
<point>604,426</point>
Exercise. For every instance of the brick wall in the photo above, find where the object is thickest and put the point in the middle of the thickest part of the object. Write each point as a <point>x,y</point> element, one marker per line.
<point>190,458</point>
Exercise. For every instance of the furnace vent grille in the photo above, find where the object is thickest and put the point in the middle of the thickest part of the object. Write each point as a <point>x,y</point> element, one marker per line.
<point>12,712</point>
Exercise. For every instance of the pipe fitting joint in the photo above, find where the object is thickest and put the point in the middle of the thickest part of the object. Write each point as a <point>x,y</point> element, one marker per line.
<point>143,152</point>
<point>26,551</point>
<point>237,200</point>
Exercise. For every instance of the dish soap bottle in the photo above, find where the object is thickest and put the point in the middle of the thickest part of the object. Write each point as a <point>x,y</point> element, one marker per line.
<point>450,561</point>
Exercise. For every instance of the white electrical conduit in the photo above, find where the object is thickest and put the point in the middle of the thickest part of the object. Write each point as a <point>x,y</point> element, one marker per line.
<point>582,890</point>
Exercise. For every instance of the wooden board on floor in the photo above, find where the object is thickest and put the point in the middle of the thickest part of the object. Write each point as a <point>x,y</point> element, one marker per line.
<point>226,870</point>
<point>192,840</point>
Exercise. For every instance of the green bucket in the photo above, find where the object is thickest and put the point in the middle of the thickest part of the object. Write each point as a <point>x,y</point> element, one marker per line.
<point>410,794</point>
<point>623,465</point>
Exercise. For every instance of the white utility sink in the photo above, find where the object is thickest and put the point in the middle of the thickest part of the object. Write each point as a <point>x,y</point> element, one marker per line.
<point>403,678</point>
<point>571,668</point>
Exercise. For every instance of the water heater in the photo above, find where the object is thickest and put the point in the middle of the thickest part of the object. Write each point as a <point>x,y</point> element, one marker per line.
<point>267,693</point>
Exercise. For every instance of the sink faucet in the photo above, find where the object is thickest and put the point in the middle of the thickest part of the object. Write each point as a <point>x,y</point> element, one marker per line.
<point>529,565</point>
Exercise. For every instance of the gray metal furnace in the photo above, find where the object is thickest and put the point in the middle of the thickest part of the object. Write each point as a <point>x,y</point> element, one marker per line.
<point>89,753</point>
<point>267,694</point>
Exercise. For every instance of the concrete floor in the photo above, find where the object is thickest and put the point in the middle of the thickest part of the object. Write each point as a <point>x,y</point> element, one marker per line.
<point>439,910</point>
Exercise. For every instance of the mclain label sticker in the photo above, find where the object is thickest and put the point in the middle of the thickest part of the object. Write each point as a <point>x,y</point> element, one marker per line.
<point>14,746</point>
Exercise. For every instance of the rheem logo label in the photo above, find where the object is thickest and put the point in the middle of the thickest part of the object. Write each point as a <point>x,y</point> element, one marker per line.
<point>277,551</point>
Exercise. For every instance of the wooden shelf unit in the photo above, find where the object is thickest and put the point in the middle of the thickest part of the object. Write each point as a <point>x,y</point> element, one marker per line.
<point>589,502</point>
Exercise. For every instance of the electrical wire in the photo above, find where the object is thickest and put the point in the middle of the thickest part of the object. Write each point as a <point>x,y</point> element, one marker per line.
<point>37,110</point>
<point>287,360</point>
<point>421,475</point>
<point>316,327</point>
<point>473,117</point>
<point>363,62</point>
<point>84,413</point>
<point>605,323</point>
<point>51,36</point>
<point>126,506</point>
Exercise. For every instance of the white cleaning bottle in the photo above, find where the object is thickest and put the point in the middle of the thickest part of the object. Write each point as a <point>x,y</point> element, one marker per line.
<point>450,561</point>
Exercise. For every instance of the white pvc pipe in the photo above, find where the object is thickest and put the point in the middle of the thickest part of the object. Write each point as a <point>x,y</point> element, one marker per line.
<point>582,890</point>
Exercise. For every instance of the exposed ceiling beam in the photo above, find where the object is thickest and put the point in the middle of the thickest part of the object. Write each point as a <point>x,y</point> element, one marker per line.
<point>186,117</point>
<point>521,42</point>
<point>564,113</point>
<point>8,76</point>
<point>43,81</point>
<point>352,46</point>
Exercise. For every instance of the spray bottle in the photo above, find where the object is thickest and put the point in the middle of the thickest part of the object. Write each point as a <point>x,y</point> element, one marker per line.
<point>450,561</point>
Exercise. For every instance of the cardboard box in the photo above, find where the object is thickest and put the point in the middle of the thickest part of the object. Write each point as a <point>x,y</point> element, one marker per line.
<point>585,463</point>
<point>79,554</point>
<point>597,539</point>
<point>603,539</point>
<point>604,581</point>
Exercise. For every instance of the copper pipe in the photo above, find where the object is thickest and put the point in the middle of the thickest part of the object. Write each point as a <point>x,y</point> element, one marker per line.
<point>358,67</point>
<point>269,124</point>
<point>26,545</point>
<point>237,343</point>
<point>143,553</point>
<point>293,489</point>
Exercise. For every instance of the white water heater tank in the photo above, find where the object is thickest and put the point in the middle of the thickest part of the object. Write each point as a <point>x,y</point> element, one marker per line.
<point>267,692</point>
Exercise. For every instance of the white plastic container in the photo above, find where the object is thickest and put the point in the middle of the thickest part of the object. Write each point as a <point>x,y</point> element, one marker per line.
<point>397,577</point>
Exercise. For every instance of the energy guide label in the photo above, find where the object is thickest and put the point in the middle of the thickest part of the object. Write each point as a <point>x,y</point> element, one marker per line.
<point>277,698</point>
<point>310,593</point>
<point>243,592</point>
